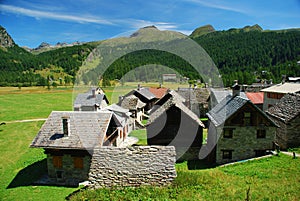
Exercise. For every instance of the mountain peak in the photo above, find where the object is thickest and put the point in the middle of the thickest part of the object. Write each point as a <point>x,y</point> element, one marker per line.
<point>5,38</point>
<point>202,30</point>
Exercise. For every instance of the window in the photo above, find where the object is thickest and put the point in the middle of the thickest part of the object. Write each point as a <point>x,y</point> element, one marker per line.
<point>57,161</point>
<point>261,133</point>
<point>78,162</point>
<point>59,174</point>
<point>227,154</point>
<point>247,118</point>
<point>227,132</point>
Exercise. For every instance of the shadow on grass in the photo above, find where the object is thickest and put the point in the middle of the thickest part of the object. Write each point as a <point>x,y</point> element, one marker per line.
<point>199,164</point>
<point>29,174</point>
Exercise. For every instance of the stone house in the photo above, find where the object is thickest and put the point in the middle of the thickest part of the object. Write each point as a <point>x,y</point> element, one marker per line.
<point>286,113</point>
<point>123,116</point>
<point>196,99</point>
<point>172,123</point>
<point>218,94</point>
<point>68,139</point>
<point>135,106</point>
<point>144,95</point>
<point>93,100</point>
<point>274,93</point>
<point>238,130</point>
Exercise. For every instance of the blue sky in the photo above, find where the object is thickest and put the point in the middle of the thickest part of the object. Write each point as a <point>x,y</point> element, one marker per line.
<point>31,22</point>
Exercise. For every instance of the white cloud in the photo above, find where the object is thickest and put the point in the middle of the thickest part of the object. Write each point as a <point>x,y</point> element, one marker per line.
<point>52,15</point>
<point>136,24</point>
<point>216,5</point>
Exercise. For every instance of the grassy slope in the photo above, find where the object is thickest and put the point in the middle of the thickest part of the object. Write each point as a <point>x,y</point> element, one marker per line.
<point>20,165</point>
<point>275,178</point>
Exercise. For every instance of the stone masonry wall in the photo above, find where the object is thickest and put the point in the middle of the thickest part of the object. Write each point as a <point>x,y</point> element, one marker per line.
<point>244,143</point>
<point>132,166</point>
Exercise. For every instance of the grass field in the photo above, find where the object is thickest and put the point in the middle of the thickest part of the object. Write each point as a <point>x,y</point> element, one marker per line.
<point>275,178</point>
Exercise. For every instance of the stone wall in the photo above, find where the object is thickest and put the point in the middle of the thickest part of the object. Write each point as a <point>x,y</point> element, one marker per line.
<point>69,174</point>
<point>132,166</point>
<point>244,143</point>
<point>287,135</point>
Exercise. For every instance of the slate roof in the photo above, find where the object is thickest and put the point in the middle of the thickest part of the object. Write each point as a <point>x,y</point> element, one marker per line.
<point>198,95</point>
<point>287,108</point>
<point>116,108</point>
<point>145,93</point>
<point>131,102</point>
<point>121,114</point>
<point>87,99</point>
<point>87,130</point>
<point>227,107</point>
<point>174,100</point>
<point>220,94</point>
<point>256,97</point>
<point>283,88</point>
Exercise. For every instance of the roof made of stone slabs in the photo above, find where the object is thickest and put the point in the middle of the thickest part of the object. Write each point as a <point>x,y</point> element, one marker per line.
<point>220,94</point>
<point>175,100</point>
<point>88,99</point>
<point>116,108</point>
<point>145,93</point>
<point>225,109</point>
<point>228,106</point>
<point>287,108</point>
<point>256,97</point>
<point>198,95</point>
<point>132,102</point>
<point>283,88</point>
<point>87,130</point>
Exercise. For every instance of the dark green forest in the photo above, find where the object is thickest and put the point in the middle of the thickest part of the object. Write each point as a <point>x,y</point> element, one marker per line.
<point>248,56</point>
<point>18,66</point>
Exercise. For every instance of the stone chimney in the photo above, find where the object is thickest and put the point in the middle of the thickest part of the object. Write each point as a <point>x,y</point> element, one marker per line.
<point>120,98</point>
<point>236,89</point>
<point>94,93</point>
<point>139,86</point>
<point>66,125</point>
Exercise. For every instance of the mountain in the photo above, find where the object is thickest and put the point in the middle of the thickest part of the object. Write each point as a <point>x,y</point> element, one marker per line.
<point>255,27</point>
<point>19,66</point>
<point>202,31</point>
<point>43,47</point>
<point>246,54</point>
<point>251,53</point>
<point>5,39</point>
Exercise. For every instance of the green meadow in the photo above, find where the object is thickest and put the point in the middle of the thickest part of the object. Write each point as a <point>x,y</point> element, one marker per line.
<point>273,178</point>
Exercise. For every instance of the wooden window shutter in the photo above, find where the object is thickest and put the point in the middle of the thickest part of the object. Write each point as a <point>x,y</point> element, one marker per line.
<point>57,161</point>
<point>78,162</point>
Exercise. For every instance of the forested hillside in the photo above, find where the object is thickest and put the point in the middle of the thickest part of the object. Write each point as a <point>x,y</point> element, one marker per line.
<point>247,54</point>
<point>19,67</point>
<point>254,54</point>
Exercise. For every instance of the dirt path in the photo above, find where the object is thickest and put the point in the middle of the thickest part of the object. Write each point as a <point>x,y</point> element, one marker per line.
<point>25,120</point>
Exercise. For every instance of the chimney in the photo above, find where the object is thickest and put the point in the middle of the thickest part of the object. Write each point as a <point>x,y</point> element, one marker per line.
<point>139,86</point>
<point>120,98</point>
<point>66,125</point>
<point>94,93</point>
<point>236,89</point>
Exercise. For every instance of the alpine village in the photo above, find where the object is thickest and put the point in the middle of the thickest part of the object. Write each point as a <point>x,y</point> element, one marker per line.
<point>158,134</point>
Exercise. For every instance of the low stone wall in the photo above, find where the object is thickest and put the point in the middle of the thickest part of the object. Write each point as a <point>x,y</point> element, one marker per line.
<point>132,166</point>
